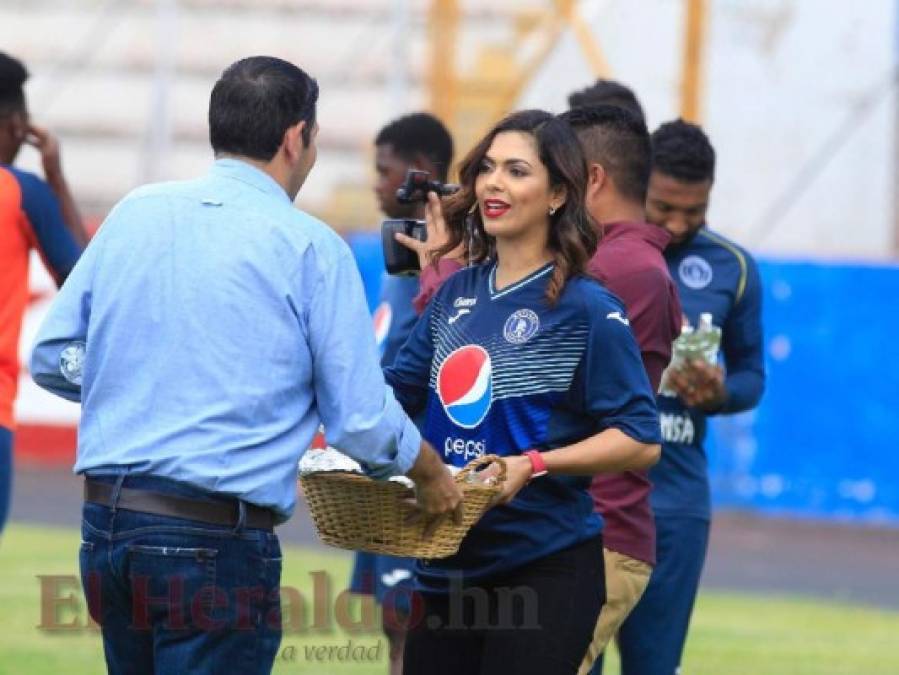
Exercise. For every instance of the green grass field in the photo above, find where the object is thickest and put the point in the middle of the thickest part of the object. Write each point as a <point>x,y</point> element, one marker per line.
<point>731,634</point>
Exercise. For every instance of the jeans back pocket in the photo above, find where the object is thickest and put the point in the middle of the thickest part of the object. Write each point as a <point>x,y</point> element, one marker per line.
<point>173,587</point>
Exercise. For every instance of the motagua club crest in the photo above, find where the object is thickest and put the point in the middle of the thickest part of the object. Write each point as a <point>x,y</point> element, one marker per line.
<point>521,326</point>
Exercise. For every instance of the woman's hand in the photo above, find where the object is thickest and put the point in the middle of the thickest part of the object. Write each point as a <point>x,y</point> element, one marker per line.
<point>518,473</point>
<point>436,234</point>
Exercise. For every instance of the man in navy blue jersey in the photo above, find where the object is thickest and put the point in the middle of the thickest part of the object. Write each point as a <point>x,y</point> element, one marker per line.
<point>416,141</point>
<point>713,275</point>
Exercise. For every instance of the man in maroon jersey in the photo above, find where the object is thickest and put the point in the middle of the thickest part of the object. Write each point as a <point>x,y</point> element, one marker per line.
<point>629,262</point>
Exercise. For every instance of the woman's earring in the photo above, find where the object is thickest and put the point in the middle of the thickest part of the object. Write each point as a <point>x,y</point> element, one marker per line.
<point>552,210</point>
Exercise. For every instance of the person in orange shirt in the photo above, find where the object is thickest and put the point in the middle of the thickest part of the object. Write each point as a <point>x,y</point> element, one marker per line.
<point>34,214</point>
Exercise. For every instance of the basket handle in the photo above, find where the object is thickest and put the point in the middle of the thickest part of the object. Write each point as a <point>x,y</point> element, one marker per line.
<point>483,461</point>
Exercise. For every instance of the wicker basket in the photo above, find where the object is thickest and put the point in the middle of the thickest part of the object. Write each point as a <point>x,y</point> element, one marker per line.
<point>358,513</point>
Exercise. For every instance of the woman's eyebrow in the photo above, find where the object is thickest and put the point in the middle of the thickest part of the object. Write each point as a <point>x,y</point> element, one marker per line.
<point>510,160</point>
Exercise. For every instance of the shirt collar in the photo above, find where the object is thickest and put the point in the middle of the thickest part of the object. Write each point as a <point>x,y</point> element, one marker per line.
<point>229,167</point>
<point>653,234</point>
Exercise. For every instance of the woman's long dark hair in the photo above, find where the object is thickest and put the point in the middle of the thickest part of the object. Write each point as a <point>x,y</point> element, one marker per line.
<point>572,233</point>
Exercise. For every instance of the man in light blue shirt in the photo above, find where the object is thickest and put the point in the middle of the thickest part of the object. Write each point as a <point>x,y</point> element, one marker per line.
<point>208,330</point>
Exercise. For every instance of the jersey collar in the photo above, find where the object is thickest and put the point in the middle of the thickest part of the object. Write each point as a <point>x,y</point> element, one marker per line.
<point>533,276</point>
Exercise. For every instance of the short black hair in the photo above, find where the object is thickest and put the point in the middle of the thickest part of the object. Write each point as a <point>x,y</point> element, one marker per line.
<point>607,92</point>
<point>255,101</point>
<point>683,151</point>
<point>13,75</point>
<point>419,134</point>
<point>617,139</point>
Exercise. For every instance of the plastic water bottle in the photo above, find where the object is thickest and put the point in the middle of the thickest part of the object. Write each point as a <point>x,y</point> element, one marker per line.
<point>708,339</point>
<point>701,343</point>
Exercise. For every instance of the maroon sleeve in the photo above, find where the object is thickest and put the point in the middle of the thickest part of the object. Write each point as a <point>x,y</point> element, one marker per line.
<point>654,312</point>
<point>431,278</point>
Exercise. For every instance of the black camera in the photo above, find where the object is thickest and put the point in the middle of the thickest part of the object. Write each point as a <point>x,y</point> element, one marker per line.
<point>398,259</point>
<point>417,186</point>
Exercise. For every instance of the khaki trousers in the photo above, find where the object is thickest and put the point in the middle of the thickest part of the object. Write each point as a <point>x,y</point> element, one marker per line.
<point>626,579</point>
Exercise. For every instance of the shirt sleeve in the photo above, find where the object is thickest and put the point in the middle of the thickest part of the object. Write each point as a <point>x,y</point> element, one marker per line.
<point>359,412</point>
<point>655,316</point>
<point>616,388</point>
<point>66,328</point>
<point>411,370</point>
<point>742,346</point>
<point>431,279</point>
<point>51,237</point>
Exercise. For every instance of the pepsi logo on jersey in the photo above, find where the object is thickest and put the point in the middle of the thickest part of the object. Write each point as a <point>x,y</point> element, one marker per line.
<point>465,385</point>
<point>467,449</point>
<point>381,319</point>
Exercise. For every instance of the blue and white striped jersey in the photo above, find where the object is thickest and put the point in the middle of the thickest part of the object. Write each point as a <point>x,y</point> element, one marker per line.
<point>501,372</point>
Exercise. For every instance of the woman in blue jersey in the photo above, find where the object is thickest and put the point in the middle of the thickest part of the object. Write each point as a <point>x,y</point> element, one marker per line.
<point>522,356</point>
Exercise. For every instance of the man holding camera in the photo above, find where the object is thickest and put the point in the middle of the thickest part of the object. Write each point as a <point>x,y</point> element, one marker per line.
<point>208,330</point>
<point>419,142</point>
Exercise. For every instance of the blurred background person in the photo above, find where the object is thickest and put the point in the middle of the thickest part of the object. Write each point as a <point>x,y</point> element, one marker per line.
<point>630,263</point>
<point>415,141</point>
<point>607,92</point>
<point>35,214</point>
<point>713,275</point>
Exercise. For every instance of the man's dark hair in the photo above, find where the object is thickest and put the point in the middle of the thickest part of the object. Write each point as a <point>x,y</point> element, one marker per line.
<point>683,151</point>
<point>13,75</point>
<point>419,134</point>
<point>255,101</point>
<point>607,92</point>
<point>618,140</point>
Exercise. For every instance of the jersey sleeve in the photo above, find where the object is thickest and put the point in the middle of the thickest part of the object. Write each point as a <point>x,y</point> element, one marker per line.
<point>431,279</point>
<point>51,237</point>
<point>616,389</point>
<point>411,370</point>
<point>742,347</point>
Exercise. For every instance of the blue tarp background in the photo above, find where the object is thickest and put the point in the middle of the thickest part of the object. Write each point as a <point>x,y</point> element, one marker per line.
<point>825,440</point>
<point>824,443</point>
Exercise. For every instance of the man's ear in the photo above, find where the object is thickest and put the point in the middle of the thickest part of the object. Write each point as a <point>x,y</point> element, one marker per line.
<point>17,127</point>
<point>596,180</point>
<point>421,163</point>
<point>293,141</point>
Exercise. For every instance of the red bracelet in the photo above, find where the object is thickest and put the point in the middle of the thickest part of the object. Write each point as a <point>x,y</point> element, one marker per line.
<point>538,466</point>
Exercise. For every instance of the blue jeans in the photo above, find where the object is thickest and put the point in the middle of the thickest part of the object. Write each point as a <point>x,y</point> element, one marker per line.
<point>180,596</point>
<point>5,474</point>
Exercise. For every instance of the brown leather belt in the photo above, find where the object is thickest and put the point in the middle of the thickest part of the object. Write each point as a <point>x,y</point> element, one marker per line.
<point>215,513</point>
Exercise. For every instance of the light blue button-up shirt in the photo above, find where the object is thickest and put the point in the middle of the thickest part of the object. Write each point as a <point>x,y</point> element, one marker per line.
<point>220,326</point>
